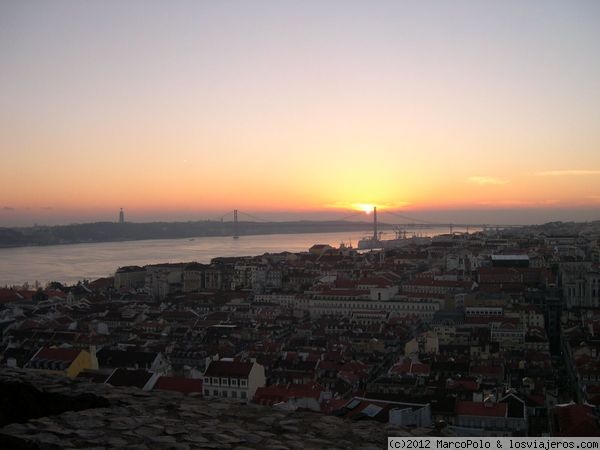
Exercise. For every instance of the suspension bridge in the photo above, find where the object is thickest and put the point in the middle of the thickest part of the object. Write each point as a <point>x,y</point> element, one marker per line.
<point>406,222</point>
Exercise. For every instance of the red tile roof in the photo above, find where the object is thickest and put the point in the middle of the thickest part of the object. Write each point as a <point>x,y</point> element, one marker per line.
<point>539,400</point>
<point>57,354</point>
<point>8,295</point>
<point>486,369</point>
<point>344,283</point>
<point>344,292</point>
<point>53,293</point>
<point>27,295</point>
<point>424,295</point>
<point>179,384</point>
<point>462,385</point>
<point>408,366</point>
<point>228,369</point>
<point>440,283</point>
<point>481,409</point>
<point>576,420</point>
<point>374,281</point>
<point>102,283</point>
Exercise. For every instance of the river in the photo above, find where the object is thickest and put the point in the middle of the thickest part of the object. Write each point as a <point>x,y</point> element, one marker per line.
<point>73,262</point>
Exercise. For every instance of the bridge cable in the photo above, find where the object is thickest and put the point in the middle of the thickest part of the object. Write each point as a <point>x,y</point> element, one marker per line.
<point>254,217</point>
<point>412,219</point>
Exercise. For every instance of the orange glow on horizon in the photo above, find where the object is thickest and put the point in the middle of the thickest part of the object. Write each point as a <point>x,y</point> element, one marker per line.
<point>367,208</point>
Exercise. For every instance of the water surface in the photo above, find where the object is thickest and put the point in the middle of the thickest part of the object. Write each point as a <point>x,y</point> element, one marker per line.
<point>73,262</point>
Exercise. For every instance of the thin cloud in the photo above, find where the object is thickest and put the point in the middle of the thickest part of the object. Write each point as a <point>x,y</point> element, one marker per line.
<point>354,206</point>
<point>562,173</point>
<point>521,203</point>
<point>512,203</point>
<point>8,208</point>
<point>482,180</point>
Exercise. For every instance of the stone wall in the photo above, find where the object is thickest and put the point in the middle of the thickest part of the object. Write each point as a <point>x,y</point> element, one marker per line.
<point>50,412</point>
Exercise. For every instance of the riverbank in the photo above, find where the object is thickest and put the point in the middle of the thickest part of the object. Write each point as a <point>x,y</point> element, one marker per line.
<point>120,232</point>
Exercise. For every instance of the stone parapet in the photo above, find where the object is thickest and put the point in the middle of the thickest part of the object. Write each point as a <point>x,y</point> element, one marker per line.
<point>82,414</point>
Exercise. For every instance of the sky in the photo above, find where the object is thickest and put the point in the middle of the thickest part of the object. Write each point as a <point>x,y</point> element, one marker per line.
<point>475,111</point>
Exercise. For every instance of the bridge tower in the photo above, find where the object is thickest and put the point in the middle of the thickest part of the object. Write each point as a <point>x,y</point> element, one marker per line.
<point>235,224</point>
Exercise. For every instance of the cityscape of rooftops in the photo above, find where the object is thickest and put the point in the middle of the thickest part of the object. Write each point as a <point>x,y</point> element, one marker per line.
<point>288,225</point>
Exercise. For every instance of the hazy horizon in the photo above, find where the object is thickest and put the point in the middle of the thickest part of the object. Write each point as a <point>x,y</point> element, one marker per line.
<point>26,218</point>
<point>445,110</point>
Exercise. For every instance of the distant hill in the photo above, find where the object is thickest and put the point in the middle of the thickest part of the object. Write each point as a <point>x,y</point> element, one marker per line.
<point>113,232</point>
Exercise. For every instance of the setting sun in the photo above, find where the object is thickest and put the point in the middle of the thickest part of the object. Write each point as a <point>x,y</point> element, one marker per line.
<point>366,207</point>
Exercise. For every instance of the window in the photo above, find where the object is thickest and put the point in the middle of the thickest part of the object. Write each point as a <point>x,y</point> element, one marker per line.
<point>233,394</point>
<point>216,393</point>
<point>224,381</point>
<point>234,382</point>
<point>215,381</point>
<point>207,392</point>
<point>243,395</point>
<point>243,383</point>
<point>207,380</point>
<point>224,394</point>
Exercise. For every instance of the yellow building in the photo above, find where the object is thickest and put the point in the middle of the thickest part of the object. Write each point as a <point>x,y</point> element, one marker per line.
<point>65,361</point>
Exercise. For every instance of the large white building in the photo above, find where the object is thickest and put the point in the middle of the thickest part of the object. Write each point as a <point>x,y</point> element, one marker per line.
<point>162,279</point>
<point>352,303</point>
<point>581,285</point>
<point>130,277</point>
<point>234,380</point>
<point>424,309</point>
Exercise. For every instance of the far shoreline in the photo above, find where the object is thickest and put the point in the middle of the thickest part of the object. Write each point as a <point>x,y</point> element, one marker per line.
<point>104,232</point>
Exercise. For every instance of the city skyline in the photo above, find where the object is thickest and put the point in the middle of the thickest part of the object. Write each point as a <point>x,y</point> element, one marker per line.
<point>184,111</point>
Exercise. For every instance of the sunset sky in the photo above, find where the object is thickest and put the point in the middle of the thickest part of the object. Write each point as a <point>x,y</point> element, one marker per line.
<point>184,110</point>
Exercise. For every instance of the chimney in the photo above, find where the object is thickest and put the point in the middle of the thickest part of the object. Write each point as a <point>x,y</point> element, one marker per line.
<point>93,358</point>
